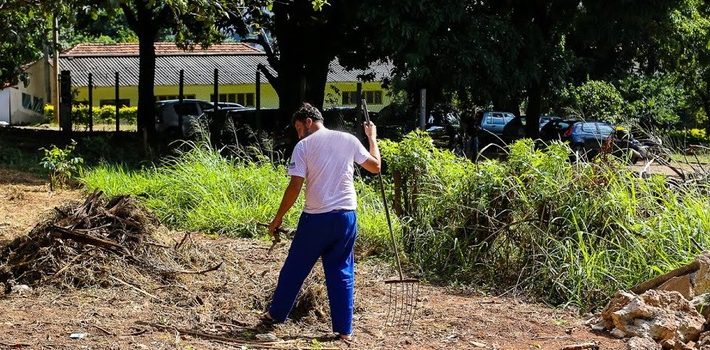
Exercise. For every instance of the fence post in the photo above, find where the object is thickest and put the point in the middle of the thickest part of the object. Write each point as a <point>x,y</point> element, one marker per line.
<point>422,109</point>
<point>65,102</point>
<point>215,97</point>
<point>181,86</point>
<point>115,101</point>
<point>358,102</point>
<point>91,103</point>
<point>258,98</point>
<point>181,96</point>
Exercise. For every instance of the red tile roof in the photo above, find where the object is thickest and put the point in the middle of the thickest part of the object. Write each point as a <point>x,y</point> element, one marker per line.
<point>161,49</point>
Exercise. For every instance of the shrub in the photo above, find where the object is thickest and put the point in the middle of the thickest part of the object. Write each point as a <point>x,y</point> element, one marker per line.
<point>61,164</point>
<point>102,115</point>
<point>597,100</point>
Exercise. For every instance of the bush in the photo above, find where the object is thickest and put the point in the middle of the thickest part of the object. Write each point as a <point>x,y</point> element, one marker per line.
<point>689,137</point>
<point>102,115</point>
<point>61,164</point>
<point>597,100</point>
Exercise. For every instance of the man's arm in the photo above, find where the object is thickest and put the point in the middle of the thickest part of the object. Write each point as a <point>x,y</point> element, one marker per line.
<point>374,161</point>
<point>289,198</point>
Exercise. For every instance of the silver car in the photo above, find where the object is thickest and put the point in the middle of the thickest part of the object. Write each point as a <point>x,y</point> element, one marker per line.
<point>176,119</point>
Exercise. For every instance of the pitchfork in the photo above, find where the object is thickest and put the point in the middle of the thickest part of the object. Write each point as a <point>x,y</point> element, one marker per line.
<point>403,293</point>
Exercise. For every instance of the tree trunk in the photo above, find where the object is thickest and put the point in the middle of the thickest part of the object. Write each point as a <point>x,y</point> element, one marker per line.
<point>316,76</point>
<point>146,80</point>
<point>532,114</point>
<point>141,19</point>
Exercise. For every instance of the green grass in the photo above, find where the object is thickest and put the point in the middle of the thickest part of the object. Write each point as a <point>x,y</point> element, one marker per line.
<point>702,158</point>
<point>202,191</point>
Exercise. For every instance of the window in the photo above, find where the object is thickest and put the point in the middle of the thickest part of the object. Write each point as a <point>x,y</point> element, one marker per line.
<point>173,97</point>
<point>26,101</point>
<point>597,128</point>
<point>371,97</point>
<point>38,105</point>
<point>244,99</point>
<point>123,102</point>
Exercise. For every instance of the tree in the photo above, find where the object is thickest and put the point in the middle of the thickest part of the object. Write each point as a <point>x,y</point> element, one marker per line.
<point>684,49</point>
<point>25,27</point>
<point>506,52</point>
<point>597,100</point>
<point>301,38</point>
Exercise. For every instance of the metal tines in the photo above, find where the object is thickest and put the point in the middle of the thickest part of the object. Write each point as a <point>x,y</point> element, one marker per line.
<point>403,293</point>
<point>403,296</point>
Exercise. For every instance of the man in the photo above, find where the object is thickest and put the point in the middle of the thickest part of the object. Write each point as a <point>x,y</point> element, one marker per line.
<point>324,159</point>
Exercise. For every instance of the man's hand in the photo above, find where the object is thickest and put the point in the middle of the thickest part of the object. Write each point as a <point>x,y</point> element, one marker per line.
<point>370,130</point>
<point>275,225</point>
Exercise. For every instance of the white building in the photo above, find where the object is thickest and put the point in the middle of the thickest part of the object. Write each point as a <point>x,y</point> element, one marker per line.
<point>24,104</point>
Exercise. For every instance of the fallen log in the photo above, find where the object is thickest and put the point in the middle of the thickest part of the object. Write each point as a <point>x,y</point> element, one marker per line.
<point>657,281</point>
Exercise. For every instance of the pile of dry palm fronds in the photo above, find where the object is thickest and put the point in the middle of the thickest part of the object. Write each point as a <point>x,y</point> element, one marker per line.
<point>92,243</point>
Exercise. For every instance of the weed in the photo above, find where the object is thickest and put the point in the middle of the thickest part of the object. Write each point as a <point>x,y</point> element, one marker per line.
<point>61,164</point>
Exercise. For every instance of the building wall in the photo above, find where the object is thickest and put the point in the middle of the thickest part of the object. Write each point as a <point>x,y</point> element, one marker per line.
<point>269,98</point>
<point>5,105</point>
<point>334,94</point>
<point>24,103</point>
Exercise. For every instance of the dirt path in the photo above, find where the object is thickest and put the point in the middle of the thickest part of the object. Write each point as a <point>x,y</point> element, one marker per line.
<point>227,303</point>
<point>24,199</point>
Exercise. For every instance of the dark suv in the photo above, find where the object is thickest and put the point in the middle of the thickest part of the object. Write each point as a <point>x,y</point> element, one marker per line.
<point>591,138</point>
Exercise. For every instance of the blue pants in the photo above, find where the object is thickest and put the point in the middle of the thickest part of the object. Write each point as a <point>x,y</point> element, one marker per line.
<point>330,236</point>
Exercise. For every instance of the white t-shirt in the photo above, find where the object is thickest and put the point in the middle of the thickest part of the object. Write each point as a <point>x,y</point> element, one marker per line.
<point>325,159</point>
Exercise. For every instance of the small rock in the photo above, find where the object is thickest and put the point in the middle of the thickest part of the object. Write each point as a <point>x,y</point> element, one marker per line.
<point>476,344</point>
<point>704,339</point>
<point>702,304</point>
<point>599,327</point>
<point>668,344</point>
<point>77,335</point>
<point>638,343</point>
<point>617,333</point>
<point>267,337</point>
<point>21,289</point>
<point>681,284</point>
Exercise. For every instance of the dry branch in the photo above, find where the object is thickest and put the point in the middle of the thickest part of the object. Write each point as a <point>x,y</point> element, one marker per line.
<point>584,346</point>
<point>133,287</point>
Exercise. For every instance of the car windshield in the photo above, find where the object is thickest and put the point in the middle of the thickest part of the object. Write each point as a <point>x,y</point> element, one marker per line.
<point>598,128</point>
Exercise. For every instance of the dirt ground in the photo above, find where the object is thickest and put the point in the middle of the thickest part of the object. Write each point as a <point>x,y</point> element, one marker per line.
<point>221,308</point>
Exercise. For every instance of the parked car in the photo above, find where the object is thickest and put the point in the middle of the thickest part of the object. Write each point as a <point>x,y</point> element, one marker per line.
<point>229,106</point>
<point>588,139</point>
<point>544,119</point>
<point>488,129</point>
<point>494,122</point>
<point>175,119</point>
<point>554,130</point>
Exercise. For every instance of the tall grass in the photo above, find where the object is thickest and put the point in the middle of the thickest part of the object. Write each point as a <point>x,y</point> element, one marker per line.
<point>570,233</point>
<point>203,191</point>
